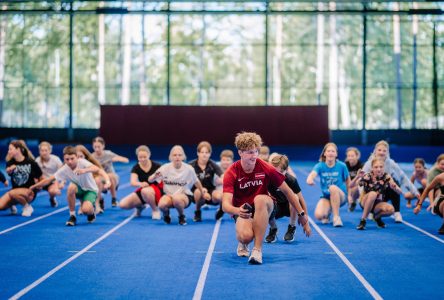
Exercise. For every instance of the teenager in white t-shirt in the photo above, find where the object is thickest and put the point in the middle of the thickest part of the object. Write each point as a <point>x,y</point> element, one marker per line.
<point>82,184</point>
<point>49,164</point>
<point>178,179</point>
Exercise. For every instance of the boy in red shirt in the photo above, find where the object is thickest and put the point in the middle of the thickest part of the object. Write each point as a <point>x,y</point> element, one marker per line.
<point>245,195</point>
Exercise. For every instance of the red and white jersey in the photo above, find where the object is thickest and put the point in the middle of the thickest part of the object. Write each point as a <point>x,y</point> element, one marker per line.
<point>246,186</point>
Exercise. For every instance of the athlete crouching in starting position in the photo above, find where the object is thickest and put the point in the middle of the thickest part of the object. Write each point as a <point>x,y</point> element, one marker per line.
<point>245,195</point>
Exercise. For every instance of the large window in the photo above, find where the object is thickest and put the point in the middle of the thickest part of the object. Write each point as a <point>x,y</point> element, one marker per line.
<point>381,71</point>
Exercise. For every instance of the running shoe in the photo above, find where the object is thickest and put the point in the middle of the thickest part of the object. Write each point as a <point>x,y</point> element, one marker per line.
<point>102,203</point>
<point>91,218</point>
<point>351,207</point>
<point>289,235</point>
<point>166,217</point>
<point>182,220</point>
<point>113,202</point>
<point>441,229</point>
<point>370,216</point>
<point>398,217</point>
<point>379,222</point>
<point>255,257</point>
<point>242,250</point>
<point>197,216</point>
<point>27,210</point>
<point>53,202</point>
<point>13,209</point>
<point>337,222</point>
<point>219,213</point>
<point>72,221</point>
<point>155,215</point>
<point>326,220</point>
<point>272,235</point>
<point>361,225</point>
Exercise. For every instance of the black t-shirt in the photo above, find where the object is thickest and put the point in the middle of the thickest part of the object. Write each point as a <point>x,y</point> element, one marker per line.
<point>354,170</point>
<point>25,173</point>
<point>292,183</point>
<point>142,175</point>
<point>206,176</point>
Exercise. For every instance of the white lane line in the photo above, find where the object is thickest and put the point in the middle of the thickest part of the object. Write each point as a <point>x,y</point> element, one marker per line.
<point>203,274</point>
<point>422,231</point>
<point>358,275</point>
<point>34,220</point>
<point>69,260</point>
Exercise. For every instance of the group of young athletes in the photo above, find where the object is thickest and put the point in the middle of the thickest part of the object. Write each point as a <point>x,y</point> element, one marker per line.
<point>256,190</point>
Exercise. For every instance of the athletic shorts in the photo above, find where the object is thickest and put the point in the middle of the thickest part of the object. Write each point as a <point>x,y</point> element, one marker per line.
<point>344,200</point>
<point>420,190</point>
<point>46,187</point>
<point>436,207</point>
<point>282,209</point>
<point>85,195</point>
<point>157,193</point>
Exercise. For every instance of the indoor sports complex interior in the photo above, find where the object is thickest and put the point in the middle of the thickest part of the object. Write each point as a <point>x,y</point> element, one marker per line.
<point>161,73</point>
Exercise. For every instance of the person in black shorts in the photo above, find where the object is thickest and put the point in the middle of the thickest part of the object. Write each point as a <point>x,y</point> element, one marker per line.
<point>146,193</point>
<point>353,165</point>
<point>283,207</point>
<point>205,169</point>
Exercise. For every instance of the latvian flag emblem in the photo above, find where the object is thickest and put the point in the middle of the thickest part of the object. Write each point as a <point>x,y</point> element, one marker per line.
<point>259,175</point>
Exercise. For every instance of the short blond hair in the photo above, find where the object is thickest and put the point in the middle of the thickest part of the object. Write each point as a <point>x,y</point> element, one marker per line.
<point>177,147</point>
<point>247,140</point>
<point>45,144</point>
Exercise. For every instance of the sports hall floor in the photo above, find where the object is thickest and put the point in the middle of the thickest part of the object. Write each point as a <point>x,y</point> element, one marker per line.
<point>122,257</point>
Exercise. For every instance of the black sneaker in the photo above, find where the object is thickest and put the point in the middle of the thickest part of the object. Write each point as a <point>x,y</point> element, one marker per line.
<point>272,235</point>
<point>167,218</point>
<point>182,220</point>
<point>91,218</point>
<point>71,221</point>
<point>197,216</point>
<point>441,229</point>
<point>113,202</point>
<point>289,235</point>
<point>53,201</point>
<point>219,214</point>
<point>102,203</point>
<point>351,207</point>
<point>379,222</point>
<point>362,224</point>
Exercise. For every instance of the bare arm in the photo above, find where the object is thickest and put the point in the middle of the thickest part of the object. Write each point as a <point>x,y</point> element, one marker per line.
<point>42,183</point>
<point>311,177</point>
<point>119,158</point>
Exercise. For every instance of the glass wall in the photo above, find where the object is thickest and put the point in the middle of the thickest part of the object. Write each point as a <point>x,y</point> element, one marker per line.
<point>381,70</point>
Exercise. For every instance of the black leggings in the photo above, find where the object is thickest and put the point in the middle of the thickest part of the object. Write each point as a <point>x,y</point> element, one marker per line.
<point>394,197</point>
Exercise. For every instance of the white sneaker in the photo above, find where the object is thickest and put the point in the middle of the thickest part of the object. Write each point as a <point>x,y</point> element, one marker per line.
<point>398,217</point>
<point>337,222</point>
<point>242,250</point>
<point>370,216</point>
<point>13,210</point>
<point>27,210</point>
<point>255,257</point>
<point>155,215</point>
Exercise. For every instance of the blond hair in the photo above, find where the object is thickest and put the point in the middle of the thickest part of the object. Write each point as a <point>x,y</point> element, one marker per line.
<point>247,141</point>
<point>177,147</point>
<point>143,148</point>
<point>204,144</point>
<point>279,160</point>
<point>45,144</point>
<point>322,157</point>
